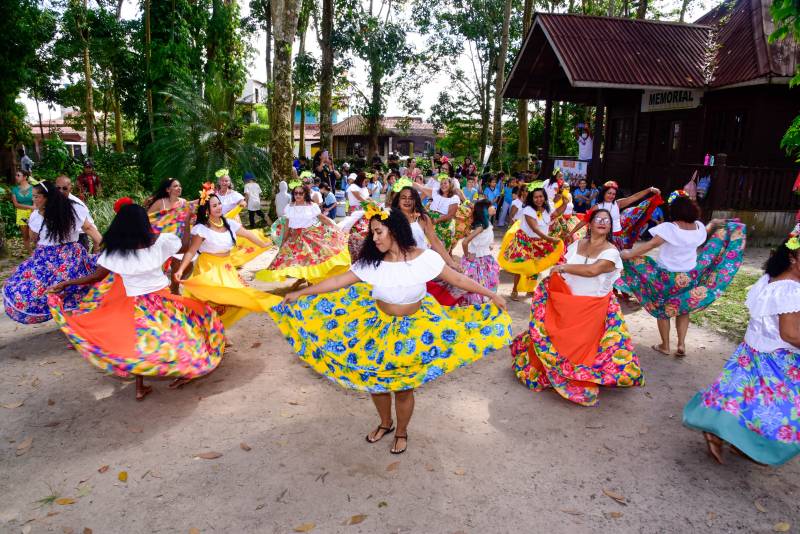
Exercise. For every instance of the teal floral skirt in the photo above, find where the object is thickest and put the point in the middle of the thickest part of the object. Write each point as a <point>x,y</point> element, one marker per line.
<point>666,294</point>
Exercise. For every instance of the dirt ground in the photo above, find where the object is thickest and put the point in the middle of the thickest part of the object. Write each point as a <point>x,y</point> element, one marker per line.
<point>485,454</point>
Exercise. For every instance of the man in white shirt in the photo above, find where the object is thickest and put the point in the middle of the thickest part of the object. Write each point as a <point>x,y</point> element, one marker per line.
<point>64,186</point>
<point>585,142</point>
<point>252,195</point>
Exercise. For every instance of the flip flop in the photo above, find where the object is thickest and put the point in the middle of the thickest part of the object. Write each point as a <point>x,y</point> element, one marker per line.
<point>393,450</point>
<point>386,430</point>
<point>658,349</point>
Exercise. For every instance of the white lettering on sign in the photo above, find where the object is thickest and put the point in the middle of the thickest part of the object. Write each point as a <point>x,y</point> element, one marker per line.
<point>671,99</point>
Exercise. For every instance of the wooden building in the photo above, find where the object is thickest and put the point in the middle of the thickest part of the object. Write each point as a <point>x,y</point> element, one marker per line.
<point>667,94</point>
<point>404,136</point>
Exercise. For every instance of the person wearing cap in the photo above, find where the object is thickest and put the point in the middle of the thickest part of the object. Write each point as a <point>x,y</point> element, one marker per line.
<point>252,195</point>
<point>344,175</point>
<point>88,181</point>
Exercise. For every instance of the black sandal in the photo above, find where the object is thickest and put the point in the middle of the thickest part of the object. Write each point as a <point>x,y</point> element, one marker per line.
<point>395,444</point>
<point>386,430</point>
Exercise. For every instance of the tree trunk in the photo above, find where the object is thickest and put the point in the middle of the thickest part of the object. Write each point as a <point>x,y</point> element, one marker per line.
<point>326,79</point>
<point>39,113</point>
<point>149,91</point>
<point>684,7</point>
<point>611,7</point>
<point>373,118</point>
<point>301,149</point>
<point>641,11</point>
<point>105,118</point>
<point>284,25</point>
<point>268,54</point>
<point>118,147</point>
<point>497,125</point>
<point>88,115</point>
<point>523,148</point>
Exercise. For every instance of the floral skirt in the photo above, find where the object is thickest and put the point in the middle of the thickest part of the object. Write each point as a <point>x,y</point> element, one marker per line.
<point>665,294</point>
<point>358,233</point>
<point>561,226</point>
<point>312,253</point>
<point>634,221</point>
<point>463,222</point>
<point>24,293</point>
<point>754,405</point>
<point>483,270</point>
<point>344,336</point>
<point>525,255</point>
<point>158,334</point>
<point>445,231</point>
<point>171,221</point>
<point>575,344</point>
<point>215,280</point>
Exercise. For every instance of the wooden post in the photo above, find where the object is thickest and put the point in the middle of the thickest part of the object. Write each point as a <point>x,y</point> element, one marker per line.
<point>595,172</point>
<point>719,183</point>
<point>548,119</point>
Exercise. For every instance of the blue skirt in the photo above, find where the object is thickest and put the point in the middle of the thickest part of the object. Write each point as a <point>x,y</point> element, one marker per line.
<point>25,292</point>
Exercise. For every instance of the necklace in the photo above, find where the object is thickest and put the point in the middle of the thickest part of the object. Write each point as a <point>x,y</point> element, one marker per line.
<point>220,224</point>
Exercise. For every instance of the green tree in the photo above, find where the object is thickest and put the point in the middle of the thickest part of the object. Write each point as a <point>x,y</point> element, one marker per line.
<point>225,50</point>
<point>786,15</point>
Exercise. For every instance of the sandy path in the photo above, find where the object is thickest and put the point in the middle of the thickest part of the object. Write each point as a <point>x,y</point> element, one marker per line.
<point>485,454</point>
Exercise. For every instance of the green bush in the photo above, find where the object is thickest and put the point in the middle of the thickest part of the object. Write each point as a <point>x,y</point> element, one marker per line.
<point>119,174</point>
<point>56,161</point>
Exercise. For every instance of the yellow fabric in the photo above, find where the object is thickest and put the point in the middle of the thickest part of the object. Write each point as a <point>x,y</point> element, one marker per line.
<point>215,280</point>
<point>531,267</point>
<point>245,250</point>
<point>23,214</point>
<point>337,264</point>
<point>234,213</point>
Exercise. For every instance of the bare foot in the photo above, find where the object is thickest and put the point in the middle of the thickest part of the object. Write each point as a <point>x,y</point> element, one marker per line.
<point>515,296</point>
<point>661,349</point>
<point>142,392</point>
<point>681,352</point>
<point>179,383</point>
<point>714,444</point>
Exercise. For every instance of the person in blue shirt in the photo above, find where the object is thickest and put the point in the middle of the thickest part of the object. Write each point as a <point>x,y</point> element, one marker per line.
<point>594,192</point>
<point>328,201</point>
<point>508,197</point>
<point>471,190</point>
<point>492,192</point>
<point>582,197</point>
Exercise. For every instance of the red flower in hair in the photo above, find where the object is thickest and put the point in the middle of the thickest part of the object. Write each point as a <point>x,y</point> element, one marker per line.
<point>124,201</point>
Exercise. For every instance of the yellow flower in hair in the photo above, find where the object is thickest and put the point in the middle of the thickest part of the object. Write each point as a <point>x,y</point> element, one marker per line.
<point>443,176</point>
<point>220,173</point>
<point>793,243</point>
<point>536,185</point>
<point>306,174</point>
<point>402,183</point>
<point>373,210</point>
<point>294,184</point>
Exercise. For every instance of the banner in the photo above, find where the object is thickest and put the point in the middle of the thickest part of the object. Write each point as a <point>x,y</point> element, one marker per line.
<point>573,170</point>
<point>486,154</point>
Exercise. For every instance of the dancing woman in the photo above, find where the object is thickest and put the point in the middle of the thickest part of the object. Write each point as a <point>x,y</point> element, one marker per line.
<point>357,192</point>
<point>312,247</point>
<point>478,262</point>
<point>55,224</point>
<point>168,211</point>
<point>443,209</point>
<point>578,340</point>
<point>753,405</point>
<point>129,324</point>
<point>680,280</point>
<point>215,279</point>
<point>385,335</point>
<point>629,219</point>
<point>232,201</point>
<point>528,248</point>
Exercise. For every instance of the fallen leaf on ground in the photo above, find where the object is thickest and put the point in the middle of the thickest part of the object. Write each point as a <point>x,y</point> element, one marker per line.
<point>103,469</point>
<point>460,472</point>
<point>305,527</point>
<point>255,345</point>
<point>135,430</point>
<point>87,530</point>
<point>429,467</point>
<point>68,530</point>
<point>294,403</point>
<point>52,424</point>
<point>123,476</point>
<point>712,516</point>
<point>572,512</point>
<point>12,405</point>
<point>356,519</point>
<point>47,362</point>
<point>383,504</point>
<point>194,530</point>
<point>615,515</point>
<point>63,501</point>
<point>23,447</point>
<point>245,447</point>
<point>35,383</point>
<point>760,507</point>
<point>393,466</point>
<point>782,527</point>
<point>616,496</point>
<point>58,373</point>
<point>50,402</point>
<point>210,455</point>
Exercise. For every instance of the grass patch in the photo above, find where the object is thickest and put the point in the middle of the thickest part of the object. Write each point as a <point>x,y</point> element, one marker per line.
<point>728,315</point>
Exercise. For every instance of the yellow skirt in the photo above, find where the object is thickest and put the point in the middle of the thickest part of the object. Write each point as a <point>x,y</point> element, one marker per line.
<point>215,280</point>
<point>527,256</point>
<point>245,250</point>
<point>314,254</point>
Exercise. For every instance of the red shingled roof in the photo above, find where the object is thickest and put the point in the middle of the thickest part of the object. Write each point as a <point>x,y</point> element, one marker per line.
<point>727,46</point>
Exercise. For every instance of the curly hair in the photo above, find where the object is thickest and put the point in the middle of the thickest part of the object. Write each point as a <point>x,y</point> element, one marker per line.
<point>529,199</point>
<point>60,218</point>
<point>204,211</point>
<point>129,231</point>
<point>779,260</point>
<point>418,207</point>
<point>400,230</point>
<point>162,191</point>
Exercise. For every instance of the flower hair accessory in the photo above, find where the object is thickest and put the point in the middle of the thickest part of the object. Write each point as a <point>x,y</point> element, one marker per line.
<point>611,183</point>
<point>675,194</point>
<point>536,185</point>
<point>220,173</point>
<point>401,184</point>
<point>306,174</point>
<point>124,201</point>
<point>373,210</point>
<point>556,171</point>
<point>294,184</point>
<point>206,192</point>
<point>793,243</point>
<point>443,176</point>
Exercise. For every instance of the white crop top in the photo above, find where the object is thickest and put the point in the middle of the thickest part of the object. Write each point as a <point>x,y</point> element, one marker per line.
<point>302,216</point>
<point>442,204</point>
<point>481,245</point>
<point>36,224</point>
<point>401,282</point>
<point>678,253</point>
<point>520,206</point>
<point>613,208</point>
<point>592,286</point>
<point>766,302</point>
<point>216,242</point>
<point>142,272</point>
<point>542,221</point>
<point>230,200</point>
<point>419,235</point>
<point>351,198</point>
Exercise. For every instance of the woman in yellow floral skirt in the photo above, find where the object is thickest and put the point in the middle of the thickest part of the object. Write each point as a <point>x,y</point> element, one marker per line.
<point>375,329</point>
